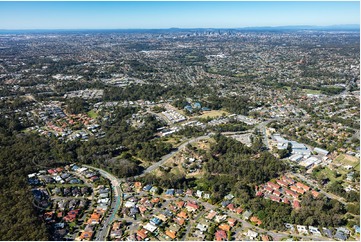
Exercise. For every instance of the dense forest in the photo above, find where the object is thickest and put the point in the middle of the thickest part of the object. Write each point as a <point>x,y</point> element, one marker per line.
<point>20,155</point>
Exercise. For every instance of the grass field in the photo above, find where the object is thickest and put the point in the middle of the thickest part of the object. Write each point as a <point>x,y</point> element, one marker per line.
<point>213,113</point>
<point>204,144</point>
<point>174,140</point>
<point>326,172</point>
<point>92,114</point>
<point>310,91</point>
<point>240,74</point>
<point>347,160</point>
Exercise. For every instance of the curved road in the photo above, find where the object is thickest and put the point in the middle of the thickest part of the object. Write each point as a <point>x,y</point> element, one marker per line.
<point>115,205</point>
<point>168,156</point>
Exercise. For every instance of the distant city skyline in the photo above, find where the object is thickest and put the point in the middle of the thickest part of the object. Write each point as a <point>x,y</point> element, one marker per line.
<point>159,15</point>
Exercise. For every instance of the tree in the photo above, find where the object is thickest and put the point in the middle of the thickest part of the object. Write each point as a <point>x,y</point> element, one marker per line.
<point>289,148</point>
<point>282,153</point>
<point>76,105</point>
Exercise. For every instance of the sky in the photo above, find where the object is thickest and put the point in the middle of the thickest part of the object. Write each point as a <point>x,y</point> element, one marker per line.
<point>155,15</point>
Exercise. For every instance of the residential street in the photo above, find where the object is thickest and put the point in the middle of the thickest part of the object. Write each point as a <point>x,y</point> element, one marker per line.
<point>115,205</point>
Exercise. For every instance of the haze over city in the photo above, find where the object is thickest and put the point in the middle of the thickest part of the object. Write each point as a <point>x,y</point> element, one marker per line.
<point>153,15</point>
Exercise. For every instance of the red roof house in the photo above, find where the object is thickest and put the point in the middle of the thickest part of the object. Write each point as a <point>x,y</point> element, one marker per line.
<point>220,235</point>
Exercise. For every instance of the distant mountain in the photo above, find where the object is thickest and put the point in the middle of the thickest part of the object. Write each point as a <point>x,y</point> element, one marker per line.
<point>344,27</point>
<point>353,27</point>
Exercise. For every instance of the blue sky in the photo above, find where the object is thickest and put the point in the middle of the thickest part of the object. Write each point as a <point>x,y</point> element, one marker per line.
<point>125,15</point>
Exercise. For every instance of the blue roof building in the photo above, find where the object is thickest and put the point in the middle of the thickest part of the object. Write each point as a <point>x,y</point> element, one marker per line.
<point>155,221</point>
<point>154,189</point>
<point>168,213</point>
<point>225,203</point>
<point>188,108</point>
<point>37,194</point>
<point>197,105</point>
<point>178,192</point>
<point>147,188</point>
<point>133,211</point>
<point>169,192</point>
<point>75,167</point>
<point>327,232</point>
<point>340,235</point>
<point>357,228</point>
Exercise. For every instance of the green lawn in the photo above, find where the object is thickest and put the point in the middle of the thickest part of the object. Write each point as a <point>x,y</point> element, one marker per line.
<point>310,91</point>
<point>347,160</point>
<point>288,88</point>
<point>213,114</point>
<point>28,131</point>
<point>72,224</point>
<point>240,74</point>
<point>92,114</point>
<point>175,140</point>
<point>326,172</point>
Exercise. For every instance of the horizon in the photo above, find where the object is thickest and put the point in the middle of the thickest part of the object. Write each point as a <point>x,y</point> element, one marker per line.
<point>351,27</point>
<point>179,15</point>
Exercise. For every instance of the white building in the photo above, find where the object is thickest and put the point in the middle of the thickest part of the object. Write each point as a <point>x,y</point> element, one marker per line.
<point>150,227</point>
<point>296,158</point>
<point>314,231</point>
<point>321,151</point>
<point>252,234</point>
<point>302,229</point>
<point>310,162</point>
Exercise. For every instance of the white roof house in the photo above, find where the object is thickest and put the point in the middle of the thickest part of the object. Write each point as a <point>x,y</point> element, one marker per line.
<point>199,193</point>
<point>314,230</point>
<point>129,204</point>
<point>202,227</point>
<point>252,234</point>
<point>150,227</point>
<point>81,170</point>
<point>302,229</point>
